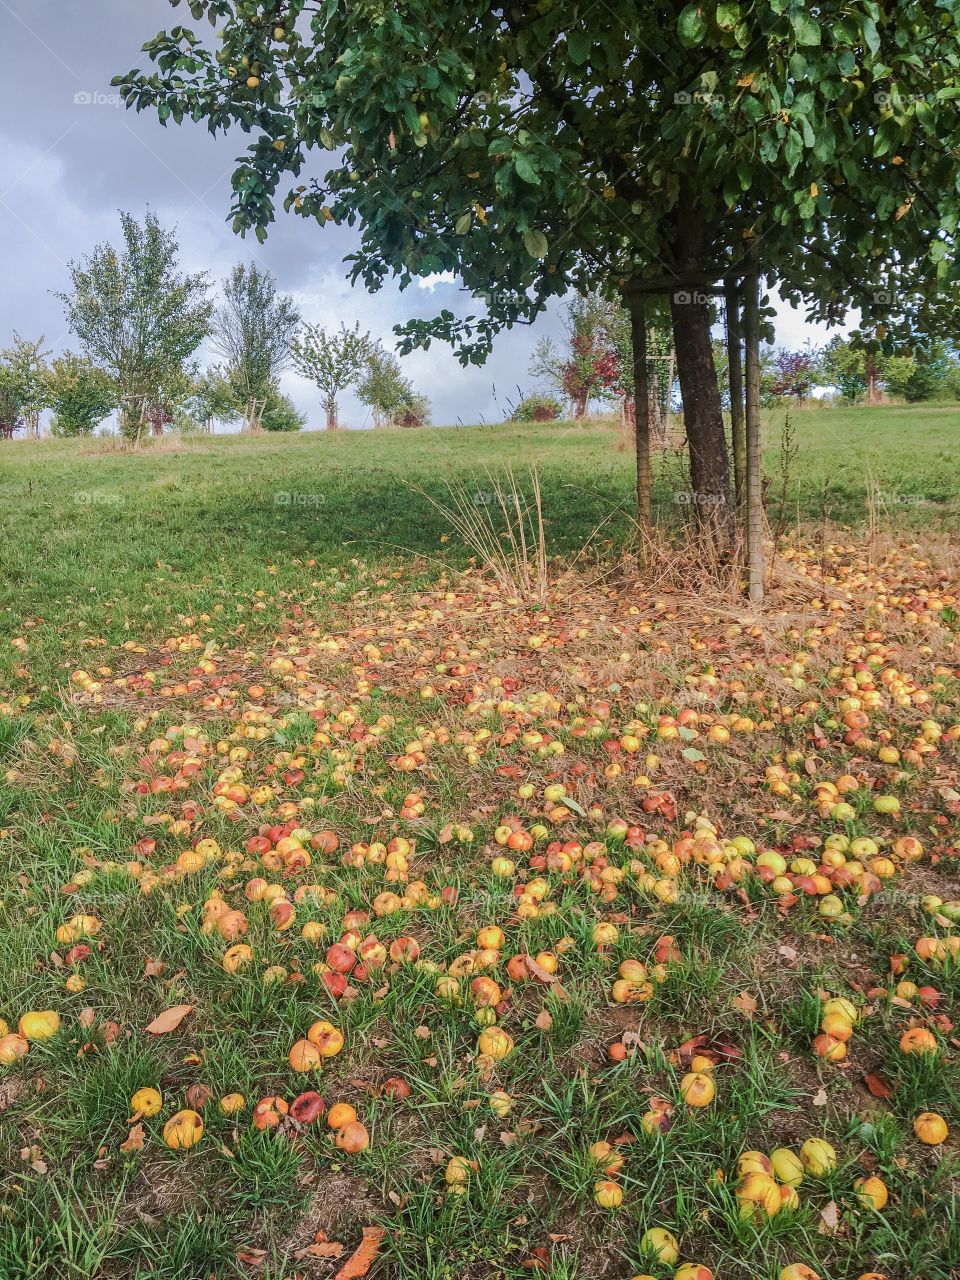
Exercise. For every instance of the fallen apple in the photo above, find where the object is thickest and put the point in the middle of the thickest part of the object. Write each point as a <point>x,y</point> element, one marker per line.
<point>183,1130</point>
<point>146,1102</point>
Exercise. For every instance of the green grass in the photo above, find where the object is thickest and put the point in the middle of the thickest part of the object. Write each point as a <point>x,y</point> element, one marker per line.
<point>182,561</point>
<point>97,541</point>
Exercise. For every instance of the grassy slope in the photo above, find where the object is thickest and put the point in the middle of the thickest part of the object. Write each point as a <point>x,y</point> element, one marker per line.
<point>88,536</point>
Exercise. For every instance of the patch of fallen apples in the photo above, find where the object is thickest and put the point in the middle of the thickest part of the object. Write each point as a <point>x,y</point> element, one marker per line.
<point>593,793</point>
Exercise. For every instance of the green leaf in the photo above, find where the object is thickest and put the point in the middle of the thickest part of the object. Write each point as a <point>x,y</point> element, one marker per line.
<point>692,754</point>
<point>728,15</point>
<point>805,29</point>
<point>535,243</point>
<point>793,150</point>
<point>463,223</point>
<point>692,26</point>
<point>525,168</point>
<point>579,44</point>
<point>871,37</point>
<point>569,803</point>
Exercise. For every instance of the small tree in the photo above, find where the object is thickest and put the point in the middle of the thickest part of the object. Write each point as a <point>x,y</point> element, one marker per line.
<point>334,361</point>
<point>253,330</point>
<point>843,365</point>
<point>590,367</point>
<point>794,373</point>
<point>389,394</point>
<point>922,374</point>
<point>139,318</point>
<point>27,363</point>
<point>281,414</point>
<point>80,395</point>
<point>212,399</point>
<point>11,401</point>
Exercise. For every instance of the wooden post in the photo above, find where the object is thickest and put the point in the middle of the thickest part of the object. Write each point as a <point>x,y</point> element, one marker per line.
<point>735,365</point>
<point>641,403</point>
<point>754,481</point>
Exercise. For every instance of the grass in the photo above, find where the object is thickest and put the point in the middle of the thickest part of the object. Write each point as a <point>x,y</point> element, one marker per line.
<point>176,632</point>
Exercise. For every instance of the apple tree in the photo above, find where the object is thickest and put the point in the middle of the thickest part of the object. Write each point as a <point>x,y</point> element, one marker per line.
<point>534,149</point>
<point>333,360</point>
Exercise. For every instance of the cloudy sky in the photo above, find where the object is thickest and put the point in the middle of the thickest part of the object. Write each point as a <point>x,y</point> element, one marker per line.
<point>71,156</point>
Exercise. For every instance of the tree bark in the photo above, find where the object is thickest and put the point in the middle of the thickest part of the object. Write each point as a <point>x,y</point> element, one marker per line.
<point>330,405</point>
<point>702,406</point>
<point>702,413</point>
<point>641,410</point>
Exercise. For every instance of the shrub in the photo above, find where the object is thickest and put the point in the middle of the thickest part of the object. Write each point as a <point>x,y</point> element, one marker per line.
<point>537,408</point>
<point>281,414</point>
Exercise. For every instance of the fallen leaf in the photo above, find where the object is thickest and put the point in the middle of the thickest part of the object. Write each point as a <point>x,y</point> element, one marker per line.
<point>878,1086</point>
<point>251,1257</point>
<point>323,1249</point>
<point>135,1139</point>
<point>829,1223</point>
<point>746,1003</point>
<point>169,1020</point>
<point>360,1262</point>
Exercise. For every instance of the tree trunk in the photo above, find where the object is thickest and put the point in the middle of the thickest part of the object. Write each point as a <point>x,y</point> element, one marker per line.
<point>702,414</point>
<point>735,362</point>
<point>641,411</point>
<point>580,402</point>
<point>330,405</point>
<point>655,398</point>
<point>702,406</point>
<point>754,494</point>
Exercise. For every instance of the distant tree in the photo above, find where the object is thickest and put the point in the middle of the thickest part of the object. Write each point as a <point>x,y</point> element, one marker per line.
<point>843,365</point>
<point>253,330</point>
<point>794,373</point>
<point>334,361</point>
<point>140,319</point>
<point>11,401</point>
<point>21,392</point>
<point>80,395</point>
<point>933,375</point>
<point>415,412</point>
<point>589,367</point>
<point>897,373</point>
<point>27,365</point>
<point>212,398</point>
<point>389,393</point>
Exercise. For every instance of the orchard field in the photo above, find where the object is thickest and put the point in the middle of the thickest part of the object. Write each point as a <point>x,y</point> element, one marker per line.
<point>361,916</point>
